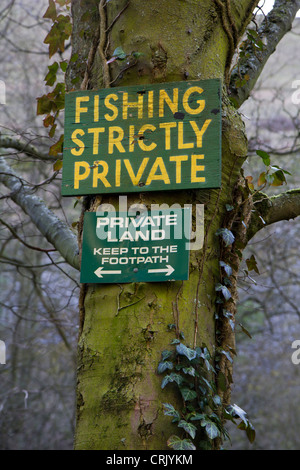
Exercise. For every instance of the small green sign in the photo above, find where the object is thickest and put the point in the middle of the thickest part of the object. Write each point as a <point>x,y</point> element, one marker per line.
<point>123,247</point>
<point>164,136</point>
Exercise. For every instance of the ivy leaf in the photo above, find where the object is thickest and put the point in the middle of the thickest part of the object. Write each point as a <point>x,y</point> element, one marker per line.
<point>236,412</point>
<point>169,410</point>
<point>189,371</point>
<point>227,268</point>
<point>119,53</point>
<point>225,291</point>
<point>190,428</point>
<point>227,236</point>
<point>226,354</point>
<point>188,394</point>
<point>172,378</point>
<point>198,417</point>
<point>212,430</point>
<point>166,354</point>
<point>187,352</point>
<point>163,366</point>
<point>180,444</point>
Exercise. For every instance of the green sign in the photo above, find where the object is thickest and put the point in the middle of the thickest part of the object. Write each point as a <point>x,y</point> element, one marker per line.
<point>156,137</point>
<point>148,247</point>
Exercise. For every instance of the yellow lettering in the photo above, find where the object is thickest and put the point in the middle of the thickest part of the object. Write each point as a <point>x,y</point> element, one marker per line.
<point>136,178</point>
<point>199,133</point>
<point>78,151</point>
<point>181,144</point>
<point>150,104</point>
<point>80,176</point>
<point>100,176</point>
<point>158,164</point>
<point>112,140</point>
<point>79,109</point>
<point>185,101</point>
<point>164,97</point>
<point>111,106</point>
<point>141,138</point>
<point>96,108</point>
<point>195,168</point>
<point>167,126</point>
<point>96,131</point>
<point>139,105</point>
<point>118,173</point>
<point>131,138</point>
<point>178,159</point>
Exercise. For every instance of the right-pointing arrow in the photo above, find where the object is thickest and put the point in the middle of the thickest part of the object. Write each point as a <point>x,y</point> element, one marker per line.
<point>168,270</point>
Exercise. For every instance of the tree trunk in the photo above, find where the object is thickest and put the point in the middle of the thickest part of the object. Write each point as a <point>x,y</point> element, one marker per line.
<point>124,327</point>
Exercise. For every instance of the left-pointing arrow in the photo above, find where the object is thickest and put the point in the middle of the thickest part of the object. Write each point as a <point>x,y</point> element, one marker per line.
<point>100,271</point>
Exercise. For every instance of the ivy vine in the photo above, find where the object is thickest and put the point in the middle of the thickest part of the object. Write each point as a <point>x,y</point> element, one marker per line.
<point>202,414</point>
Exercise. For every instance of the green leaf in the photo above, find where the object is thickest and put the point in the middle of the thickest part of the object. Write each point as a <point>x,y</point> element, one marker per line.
<point>188,394</point>
<point>265,157</point>
<point>51,11</point>
<point>225,291</point>
<point>189,371</point>
<point>64,66</point>
<point>212,430</point>
<point>185,351</point>
<point>226,354</point>
<point>237,412</point>
<point>163,366</point>
<point>190,428</point>
<point>252,264</point>
<point>197,417</point>
<point>222,381</point>
<point>119,53</point>
<point>227,268</point>
<point>166,354</point>
<point>180,444</point>
<point>171,378</point>
<point>57,147</point>
<point>227,236</point>
<point>245,331</point>
<point>57,165</point>
<point>169,410</point>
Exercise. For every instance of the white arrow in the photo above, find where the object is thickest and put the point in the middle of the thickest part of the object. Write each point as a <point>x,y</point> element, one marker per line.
<point>169,270</point>
<point>99,272</point>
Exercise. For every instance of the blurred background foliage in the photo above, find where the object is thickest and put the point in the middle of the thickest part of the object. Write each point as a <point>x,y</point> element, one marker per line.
<point>39,292</point>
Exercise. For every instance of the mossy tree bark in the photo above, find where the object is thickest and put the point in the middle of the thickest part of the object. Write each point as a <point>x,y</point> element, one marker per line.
<point>124,326</point>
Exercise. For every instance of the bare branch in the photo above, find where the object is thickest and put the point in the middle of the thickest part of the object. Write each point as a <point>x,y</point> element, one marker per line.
<point>56,232</point>
<point>268,211</point>
<point>273,28</point>
<point>24,147</point>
